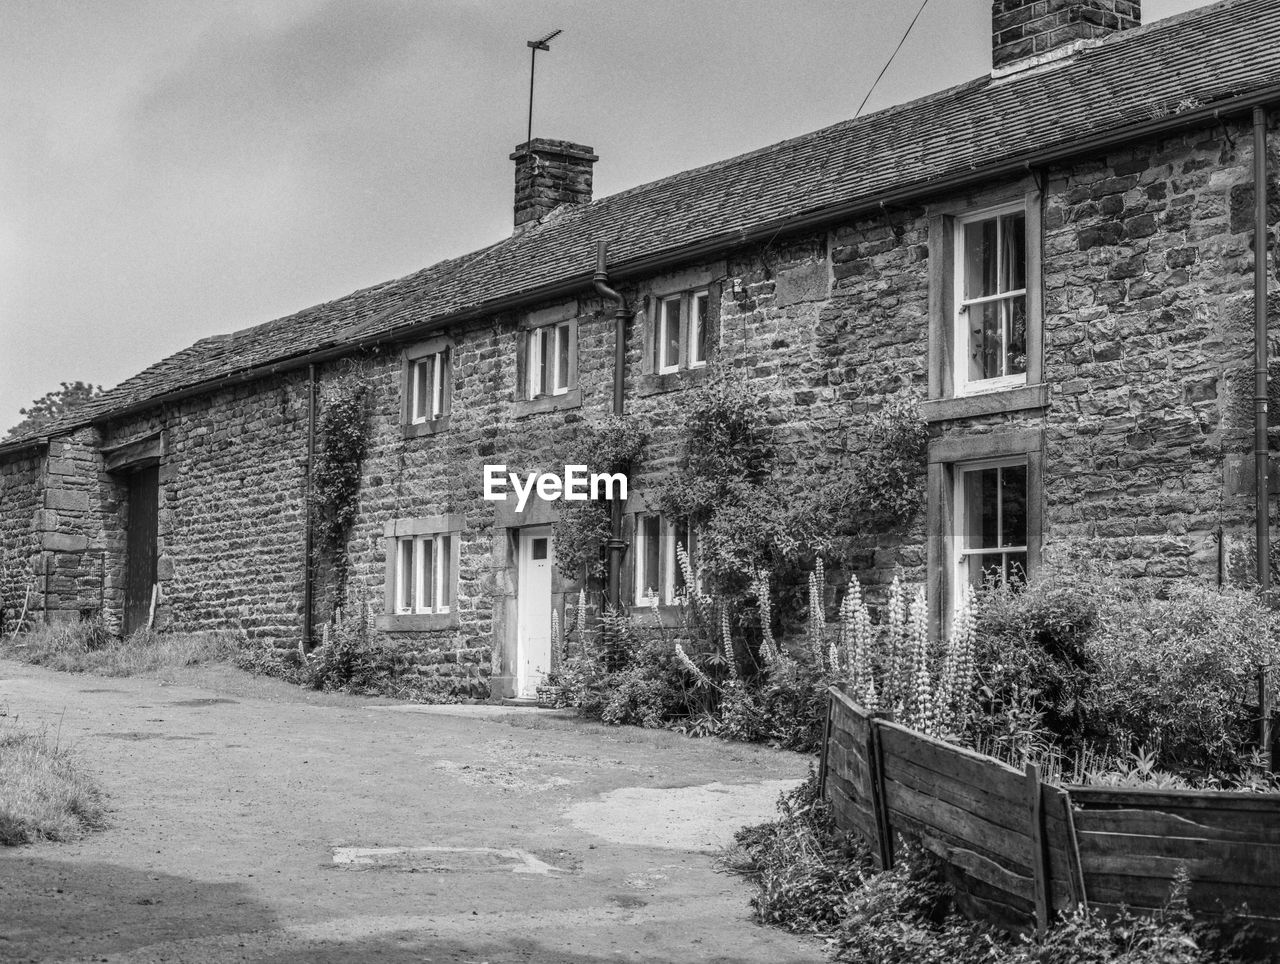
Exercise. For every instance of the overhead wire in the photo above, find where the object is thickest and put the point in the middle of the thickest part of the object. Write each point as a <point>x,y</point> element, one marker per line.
<point>889,62</point>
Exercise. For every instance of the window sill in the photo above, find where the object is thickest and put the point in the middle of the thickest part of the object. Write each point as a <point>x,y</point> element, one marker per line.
<point>417,623</point>
<point>548,403</point>
<point>669,615</point>
<point>431,427</point>
<point>990,403</point>
<point>653,384</point>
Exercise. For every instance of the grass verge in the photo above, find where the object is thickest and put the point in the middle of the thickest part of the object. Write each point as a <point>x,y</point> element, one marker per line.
<point>44,795</point>
<point>85,647</point>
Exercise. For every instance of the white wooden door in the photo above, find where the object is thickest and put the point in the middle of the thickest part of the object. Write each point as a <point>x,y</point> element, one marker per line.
<point>533,610</point>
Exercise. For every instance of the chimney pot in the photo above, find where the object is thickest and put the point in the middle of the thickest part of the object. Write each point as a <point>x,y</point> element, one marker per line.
<point>1022,29</point>
<point>550,174</point>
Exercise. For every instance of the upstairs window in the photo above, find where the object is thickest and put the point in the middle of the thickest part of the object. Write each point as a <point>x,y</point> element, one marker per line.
<point>991,348</point>
<point>428,381</point>
<point>549,367</point>
<point>681,329</point>
<point>991,523</point>
<point>426,384</point>
<point>423,578</point>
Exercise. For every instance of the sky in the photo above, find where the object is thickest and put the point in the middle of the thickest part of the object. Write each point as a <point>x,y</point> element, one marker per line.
<point>172,169</point>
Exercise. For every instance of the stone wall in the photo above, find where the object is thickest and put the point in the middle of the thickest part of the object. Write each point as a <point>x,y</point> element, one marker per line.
<point>21,562</point>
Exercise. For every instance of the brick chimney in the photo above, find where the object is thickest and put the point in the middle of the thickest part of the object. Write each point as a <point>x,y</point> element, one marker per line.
<point>1025,29</point>
<point>549,174</point>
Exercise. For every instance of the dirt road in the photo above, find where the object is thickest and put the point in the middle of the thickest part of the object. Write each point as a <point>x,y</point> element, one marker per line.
<point>251,821</point>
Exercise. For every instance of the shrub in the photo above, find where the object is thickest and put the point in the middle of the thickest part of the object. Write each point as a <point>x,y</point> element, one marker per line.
<point>650,690</point>
<point>1174,674</point>
<point>802,869</point>
<point>1081,660</point>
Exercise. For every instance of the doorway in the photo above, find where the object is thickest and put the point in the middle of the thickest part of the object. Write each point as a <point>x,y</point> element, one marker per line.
<point>140,547</point>
<point>533,610</point>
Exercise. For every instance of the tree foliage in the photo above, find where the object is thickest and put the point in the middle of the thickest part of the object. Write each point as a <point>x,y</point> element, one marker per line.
<point>53,405</point>
<point>613,445</point>
<point>761,502</point>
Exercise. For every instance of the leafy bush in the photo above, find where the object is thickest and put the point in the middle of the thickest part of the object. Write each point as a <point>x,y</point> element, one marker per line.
<point>760,500</point>
<point>802,868</point>
<point>1080,660</point>
<point>1174,674</point>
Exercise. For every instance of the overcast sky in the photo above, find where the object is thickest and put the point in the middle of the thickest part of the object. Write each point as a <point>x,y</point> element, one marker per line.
<point>171,169</point>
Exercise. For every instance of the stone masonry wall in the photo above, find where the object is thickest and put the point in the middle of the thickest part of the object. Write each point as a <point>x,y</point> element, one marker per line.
<point>21,485</point>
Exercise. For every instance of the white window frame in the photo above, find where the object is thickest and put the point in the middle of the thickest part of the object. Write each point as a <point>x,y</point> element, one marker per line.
<point>668,563</point>
<point>549,337</point>
<point>411,596</point>
<point>963,385</point>
<point>698,326</point>
<point>693,326</point>
<point>960,566</point>
<point>434,404</point>
<point>660,364</point>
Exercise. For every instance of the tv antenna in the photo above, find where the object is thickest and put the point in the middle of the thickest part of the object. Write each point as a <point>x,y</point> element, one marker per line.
<point>534,46</point>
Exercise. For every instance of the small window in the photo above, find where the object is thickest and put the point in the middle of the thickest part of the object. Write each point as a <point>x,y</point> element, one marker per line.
<point>991,523</point>
<point>681,332</point>
<point>423,576</point>
<point>658,575</point>
<point>701,304</point>
<point>667,344</point>
<point>539,548</point>
<point>551,367</point>
<point>991,301</point>
<point>426,388</point>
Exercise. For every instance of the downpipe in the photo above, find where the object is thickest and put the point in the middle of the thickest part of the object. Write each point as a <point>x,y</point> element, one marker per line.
<point>616,545</point>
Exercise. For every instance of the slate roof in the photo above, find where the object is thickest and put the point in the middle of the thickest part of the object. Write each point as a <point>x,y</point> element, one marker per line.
<point>1198,59</point>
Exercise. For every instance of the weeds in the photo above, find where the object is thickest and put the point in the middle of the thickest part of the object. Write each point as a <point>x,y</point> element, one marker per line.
<point>44,795</point>
<point>87,647</point>
<point>809,880</point>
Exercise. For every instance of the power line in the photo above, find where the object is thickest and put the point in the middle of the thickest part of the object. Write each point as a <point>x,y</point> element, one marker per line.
<point>890,60</point>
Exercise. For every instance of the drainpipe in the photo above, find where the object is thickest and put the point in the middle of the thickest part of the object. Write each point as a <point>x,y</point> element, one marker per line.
<point>615,545</point>
<point>308,573</point>
<point>1262,487</point>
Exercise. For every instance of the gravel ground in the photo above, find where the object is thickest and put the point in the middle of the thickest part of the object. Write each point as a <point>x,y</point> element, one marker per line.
<point>252,821</point>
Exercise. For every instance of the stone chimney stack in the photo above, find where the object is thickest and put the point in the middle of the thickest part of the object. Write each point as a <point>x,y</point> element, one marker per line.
<point>1023,30</point>
<point>548,174</point>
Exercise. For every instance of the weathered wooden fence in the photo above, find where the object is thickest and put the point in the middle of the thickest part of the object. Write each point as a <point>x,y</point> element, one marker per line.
<point>1020,850</point>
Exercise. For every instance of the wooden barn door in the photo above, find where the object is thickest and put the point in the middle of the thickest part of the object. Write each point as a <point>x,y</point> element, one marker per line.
<point>140,547</point>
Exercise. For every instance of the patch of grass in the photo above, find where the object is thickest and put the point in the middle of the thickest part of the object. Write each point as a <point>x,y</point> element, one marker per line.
<point>86,647</point>
<point>44,795</point>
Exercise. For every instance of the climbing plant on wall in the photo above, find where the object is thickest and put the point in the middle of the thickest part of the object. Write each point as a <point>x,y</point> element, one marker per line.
<point>582,528</point>
<point>765,500</point>
<point>335,480</point>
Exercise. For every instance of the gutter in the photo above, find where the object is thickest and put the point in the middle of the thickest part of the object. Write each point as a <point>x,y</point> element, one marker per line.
<point>648,264</point>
